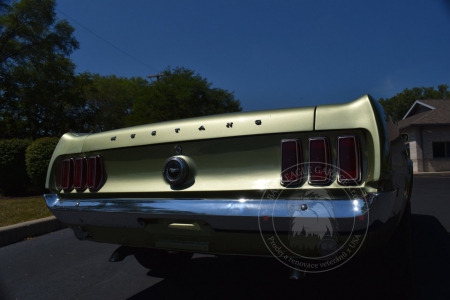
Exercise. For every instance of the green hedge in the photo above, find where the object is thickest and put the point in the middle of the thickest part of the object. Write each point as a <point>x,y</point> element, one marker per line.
<point>38,157</point>
<point>13,171</point>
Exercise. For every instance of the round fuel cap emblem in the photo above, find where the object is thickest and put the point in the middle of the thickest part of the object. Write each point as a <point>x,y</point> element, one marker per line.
<point>175,170</point>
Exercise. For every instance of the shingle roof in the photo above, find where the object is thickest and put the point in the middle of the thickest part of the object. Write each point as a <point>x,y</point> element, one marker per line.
<point>439,115</point>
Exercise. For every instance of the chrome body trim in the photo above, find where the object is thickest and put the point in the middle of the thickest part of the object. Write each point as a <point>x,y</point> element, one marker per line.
<point>220,214</point>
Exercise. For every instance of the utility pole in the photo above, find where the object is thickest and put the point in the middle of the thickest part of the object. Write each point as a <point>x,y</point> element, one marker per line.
<point>156,75</point>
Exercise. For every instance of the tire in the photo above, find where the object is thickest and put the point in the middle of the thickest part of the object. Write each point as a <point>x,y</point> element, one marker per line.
<point>402,235</point>
<point>399,249</point>
<point>401,242</point>
<point>400,246</point>
<point>155,259</point>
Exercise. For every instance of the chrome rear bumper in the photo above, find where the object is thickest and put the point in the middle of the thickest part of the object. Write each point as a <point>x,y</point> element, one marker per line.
<point>224,214</point>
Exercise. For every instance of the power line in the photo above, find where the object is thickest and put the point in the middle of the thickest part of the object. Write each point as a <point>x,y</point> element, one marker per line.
<point>117,48</point>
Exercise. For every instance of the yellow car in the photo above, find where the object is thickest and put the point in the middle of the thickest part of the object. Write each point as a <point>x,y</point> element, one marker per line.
<point>311,186</point>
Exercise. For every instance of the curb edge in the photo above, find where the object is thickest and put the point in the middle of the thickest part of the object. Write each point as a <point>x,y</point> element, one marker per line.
<point>18,232</point>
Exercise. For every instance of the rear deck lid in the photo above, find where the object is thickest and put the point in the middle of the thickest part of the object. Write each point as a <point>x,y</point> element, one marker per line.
<point>210,127</point>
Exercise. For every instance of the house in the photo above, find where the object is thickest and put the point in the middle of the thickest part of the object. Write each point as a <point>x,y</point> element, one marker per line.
<point>428,125</point>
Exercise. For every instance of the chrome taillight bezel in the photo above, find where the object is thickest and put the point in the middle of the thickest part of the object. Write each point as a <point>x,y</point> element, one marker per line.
<point>357,179</point>
<point>80,174</point>
<point>298,170</point>
<point>66,174</point>
<point>95,172</point>
<point>327,162</point>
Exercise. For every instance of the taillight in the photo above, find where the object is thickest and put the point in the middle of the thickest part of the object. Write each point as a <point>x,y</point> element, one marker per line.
<point>95,172</point>
<point>67,174</point>
<point>291,159</point>
<point>80,179</point>
<point>349,163</point>
<point>319,160</point>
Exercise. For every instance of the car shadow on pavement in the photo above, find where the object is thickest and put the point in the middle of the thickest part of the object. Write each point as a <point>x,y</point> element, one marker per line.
<point>431,258</point>
<point>263,278</point>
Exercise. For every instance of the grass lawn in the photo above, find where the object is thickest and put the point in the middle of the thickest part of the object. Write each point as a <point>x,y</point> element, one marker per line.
<point>15,210</point>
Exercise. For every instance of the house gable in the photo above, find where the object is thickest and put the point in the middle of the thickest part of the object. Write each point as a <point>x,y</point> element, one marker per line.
<point>417,108</point>
<point>427,112</point>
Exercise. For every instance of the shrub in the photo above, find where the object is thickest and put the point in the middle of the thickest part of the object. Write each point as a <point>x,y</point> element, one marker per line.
<point>38,157</point>
<point>13,171</point>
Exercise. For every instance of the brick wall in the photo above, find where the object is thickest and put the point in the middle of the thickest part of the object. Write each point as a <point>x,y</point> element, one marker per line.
<point>429,135</point>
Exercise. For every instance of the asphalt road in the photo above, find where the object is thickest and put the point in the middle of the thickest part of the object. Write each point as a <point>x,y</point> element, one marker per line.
<point>58,266</point>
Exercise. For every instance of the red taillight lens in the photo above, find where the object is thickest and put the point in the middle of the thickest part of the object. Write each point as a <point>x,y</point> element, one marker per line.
<point>80,179</point>
<point>291,159</point>
<point>348,160</point>
<point>319,160</point>
<point>95,172</point>
<point>67,174</point>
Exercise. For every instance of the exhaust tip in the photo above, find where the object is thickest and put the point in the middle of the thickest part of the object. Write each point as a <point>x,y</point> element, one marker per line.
<point>296,274</point>
<point>82,234</point>
<point>121,253</point>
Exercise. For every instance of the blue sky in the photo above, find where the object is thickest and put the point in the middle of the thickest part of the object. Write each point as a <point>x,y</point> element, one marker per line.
<point>271,54</point>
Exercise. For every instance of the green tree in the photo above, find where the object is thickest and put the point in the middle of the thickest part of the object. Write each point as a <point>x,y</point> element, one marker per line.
<point>181,94</point>
<point>398,105</point>
<point>110,100</point>
<point>37,78</point>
